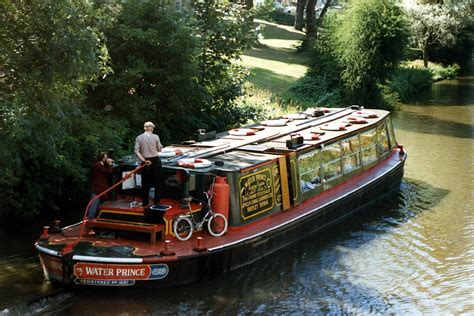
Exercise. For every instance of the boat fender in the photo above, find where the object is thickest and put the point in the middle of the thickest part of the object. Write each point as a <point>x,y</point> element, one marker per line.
<point>170,152</point>
<point>333,127</point>
<point>367,114</point>
<point>220,196</point>
<point>194,163</point>
<point>280,122</point>
<point>241,132</point>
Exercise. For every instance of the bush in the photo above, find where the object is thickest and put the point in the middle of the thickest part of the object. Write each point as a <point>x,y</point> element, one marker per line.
<point>369,43</point>
<point>407,81</point>
<point>441,72</point>
<point>315,90</point>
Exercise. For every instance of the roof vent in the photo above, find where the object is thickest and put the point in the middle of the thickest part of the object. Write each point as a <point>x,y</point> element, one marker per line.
<point>295,141</point>
<point>314,112</point>
<point>202,135</point>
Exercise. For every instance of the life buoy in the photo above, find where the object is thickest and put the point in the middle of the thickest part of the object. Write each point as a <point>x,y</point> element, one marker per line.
<point>295,116</point>
<point>280,122</point>
<point>356,120</point>
<point>333,127</point>
<point>241,132</point>
<point>170,152</point>
<point>311,136</point>
<point>367,114</point>
<point>194,163</point>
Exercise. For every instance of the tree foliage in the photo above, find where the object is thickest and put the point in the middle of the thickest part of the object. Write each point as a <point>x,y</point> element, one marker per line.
<point>369,43</point>
<point>63,98</point>
<point>175,70</point>
<point>354,55</point>
<point>436,26</point>
<point>50,50</point>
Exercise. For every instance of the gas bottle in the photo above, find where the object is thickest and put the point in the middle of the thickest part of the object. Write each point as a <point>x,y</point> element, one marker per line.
<point>220,199</point>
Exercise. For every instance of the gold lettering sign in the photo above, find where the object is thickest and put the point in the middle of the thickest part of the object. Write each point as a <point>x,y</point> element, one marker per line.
<point>256,193</point>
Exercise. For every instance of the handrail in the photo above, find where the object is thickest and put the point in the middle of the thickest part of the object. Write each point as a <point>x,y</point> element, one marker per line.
<point>86,212</point>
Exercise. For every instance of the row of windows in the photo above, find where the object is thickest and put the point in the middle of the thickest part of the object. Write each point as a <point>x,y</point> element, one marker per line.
<point>332,161</point>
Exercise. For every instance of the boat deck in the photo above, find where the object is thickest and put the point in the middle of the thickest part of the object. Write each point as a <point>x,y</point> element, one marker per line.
<point>150,252</point>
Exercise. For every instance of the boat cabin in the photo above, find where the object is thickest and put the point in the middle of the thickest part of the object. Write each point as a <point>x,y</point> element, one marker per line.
<point>269,167</point>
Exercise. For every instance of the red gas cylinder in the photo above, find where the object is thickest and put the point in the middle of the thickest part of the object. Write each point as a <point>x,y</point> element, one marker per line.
<point>220,199</point>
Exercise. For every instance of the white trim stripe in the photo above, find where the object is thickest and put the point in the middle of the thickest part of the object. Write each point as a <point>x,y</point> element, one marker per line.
<point>107,259</point>
<point>47,251</point>
<point>300,216</point>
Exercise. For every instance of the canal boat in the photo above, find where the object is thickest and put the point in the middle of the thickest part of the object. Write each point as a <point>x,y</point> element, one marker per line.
<point>229,199</point>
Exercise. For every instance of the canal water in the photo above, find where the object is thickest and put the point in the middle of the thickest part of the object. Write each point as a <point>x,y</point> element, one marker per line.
<point>411,253</point>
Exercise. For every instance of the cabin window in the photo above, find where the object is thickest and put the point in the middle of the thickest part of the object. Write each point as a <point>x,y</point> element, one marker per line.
<point>368,143</point>
<point>331,157</point>
<point>351,153</point>
<point>310,170</point>
<point>383,143</point>
<point>391,133</point>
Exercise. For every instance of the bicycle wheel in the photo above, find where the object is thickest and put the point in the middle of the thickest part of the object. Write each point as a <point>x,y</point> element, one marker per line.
<point>217,225</point>
<point>183,228</point>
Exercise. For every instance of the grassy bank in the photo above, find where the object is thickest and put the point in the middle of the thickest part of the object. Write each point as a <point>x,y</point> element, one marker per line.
<point>274,64</point>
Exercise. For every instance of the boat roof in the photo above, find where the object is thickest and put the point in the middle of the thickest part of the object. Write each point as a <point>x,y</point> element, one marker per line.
<point>267,143</point>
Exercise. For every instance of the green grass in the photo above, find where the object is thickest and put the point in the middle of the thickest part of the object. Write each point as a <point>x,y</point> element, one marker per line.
<point>274,65</point>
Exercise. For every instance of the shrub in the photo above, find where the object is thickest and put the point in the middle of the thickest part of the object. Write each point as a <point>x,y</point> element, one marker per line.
<point>407,81</point>
<point>441,72</point>
<point>369,43</point>
<point>316,90</point>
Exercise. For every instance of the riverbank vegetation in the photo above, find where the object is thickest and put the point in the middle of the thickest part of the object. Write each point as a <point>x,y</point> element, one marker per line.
<point>77,78</point>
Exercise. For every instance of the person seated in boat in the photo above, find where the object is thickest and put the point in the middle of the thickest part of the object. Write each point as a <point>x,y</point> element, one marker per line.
<point>147,149</point>
<point>306,185</point>
<point>101,169</point>
<point>316,180</point>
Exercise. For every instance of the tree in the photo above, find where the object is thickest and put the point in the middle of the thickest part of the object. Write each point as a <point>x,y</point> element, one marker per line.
<point>224,33</point>
<point>50,51</point>
<point>299,17</point>
<point>313,22</point>
<point>434,25</point>
<point>153,57</point>
<point>369,43</point>
<point>310,23</point>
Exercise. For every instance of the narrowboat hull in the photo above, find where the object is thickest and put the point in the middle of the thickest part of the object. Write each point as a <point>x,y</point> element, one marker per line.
<point>316,214</point>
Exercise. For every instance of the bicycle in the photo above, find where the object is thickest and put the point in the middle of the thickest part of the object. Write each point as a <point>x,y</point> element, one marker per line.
<point>185,224</point>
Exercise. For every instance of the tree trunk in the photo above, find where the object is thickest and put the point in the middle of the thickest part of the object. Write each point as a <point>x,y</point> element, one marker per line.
<point>323,13</point>
<point>299,18</point>
<point>248,4</point>
<point>425,56</point>
<point>321,16</point>
<point>310,24</point>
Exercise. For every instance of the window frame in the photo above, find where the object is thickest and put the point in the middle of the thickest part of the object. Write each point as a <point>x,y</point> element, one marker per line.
<point>339,159</point>
<point>354,153</point>
<point>371,146</point>
<point>316,151</point>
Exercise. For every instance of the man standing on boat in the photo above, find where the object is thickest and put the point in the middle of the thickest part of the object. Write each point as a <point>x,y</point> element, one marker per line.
<point>147,148</point>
